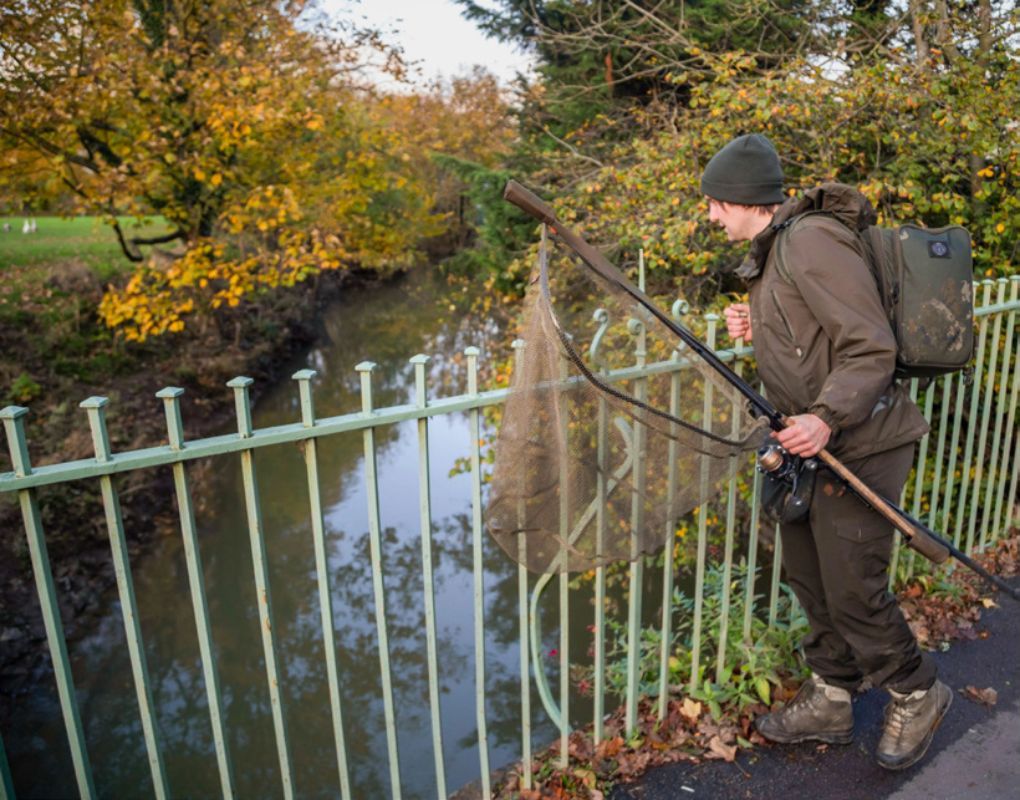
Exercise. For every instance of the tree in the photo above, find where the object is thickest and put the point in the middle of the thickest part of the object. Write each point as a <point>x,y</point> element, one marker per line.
<point>910,102</point>
<point>255,137</point>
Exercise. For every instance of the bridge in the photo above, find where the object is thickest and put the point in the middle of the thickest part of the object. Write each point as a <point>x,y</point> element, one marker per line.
<point>964,485</point>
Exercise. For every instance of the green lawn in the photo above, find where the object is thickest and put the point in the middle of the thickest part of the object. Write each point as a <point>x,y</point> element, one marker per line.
<point>85,239</point>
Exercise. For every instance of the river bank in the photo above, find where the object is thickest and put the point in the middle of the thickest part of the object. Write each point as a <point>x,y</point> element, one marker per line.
<point>259,340</point>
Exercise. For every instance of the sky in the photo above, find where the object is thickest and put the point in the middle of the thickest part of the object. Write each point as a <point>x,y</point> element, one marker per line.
<point>434,33</point>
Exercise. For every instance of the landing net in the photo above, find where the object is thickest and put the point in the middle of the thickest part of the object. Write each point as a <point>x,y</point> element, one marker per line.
<point>597,459</point>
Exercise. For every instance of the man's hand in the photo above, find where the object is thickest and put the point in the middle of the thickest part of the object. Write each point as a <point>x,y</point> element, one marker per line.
<point>738,321</point>
<point>807,436</point>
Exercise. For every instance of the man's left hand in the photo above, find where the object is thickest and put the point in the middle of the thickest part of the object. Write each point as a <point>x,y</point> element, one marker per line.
<point>806,436</point>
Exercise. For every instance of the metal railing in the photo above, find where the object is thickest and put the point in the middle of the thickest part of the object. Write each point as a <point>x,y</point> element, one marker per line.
<point>965,485</point>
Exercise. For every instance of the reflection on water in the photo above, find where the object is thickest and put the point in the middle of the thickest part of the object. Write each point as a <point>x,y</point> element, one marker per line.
<point>387,325</point>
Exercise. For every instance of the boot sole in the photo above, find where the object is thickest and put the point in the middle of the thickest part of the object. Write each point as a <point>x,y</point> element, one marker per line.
<point>924,745</point>
<point>836,738</point>
<point>827,738</point>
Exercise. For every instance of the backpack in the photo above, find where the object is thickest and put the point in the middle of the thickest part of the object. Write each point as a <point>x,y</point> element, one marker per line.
<point>925,280</point>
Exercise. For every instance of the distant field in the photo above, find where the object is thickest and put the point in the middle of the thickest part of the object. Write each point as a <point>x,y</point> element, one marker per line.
<point>85,239</point>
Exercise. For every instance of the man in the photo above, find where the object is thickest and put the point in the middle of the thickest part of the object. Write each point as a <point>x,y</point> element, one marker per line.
<point>826,355</point>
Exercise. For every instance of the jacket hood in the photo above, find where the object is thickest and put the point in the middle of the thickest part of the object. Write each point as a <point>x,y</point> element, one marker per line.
<point>843,202</point>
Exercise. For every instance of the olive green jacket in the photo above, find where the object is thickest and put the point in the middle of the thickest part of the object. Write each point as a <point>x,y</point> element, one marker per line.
<point>821,337</point>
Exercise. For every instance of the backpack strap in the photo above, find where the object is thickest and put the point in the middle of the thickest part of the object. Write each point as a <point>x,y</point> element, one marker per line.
<point>782,231</point>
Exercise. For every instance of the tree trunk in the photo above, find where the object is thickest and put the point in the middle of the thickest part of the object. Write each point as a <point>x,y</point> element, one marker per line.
<point>917,11</point>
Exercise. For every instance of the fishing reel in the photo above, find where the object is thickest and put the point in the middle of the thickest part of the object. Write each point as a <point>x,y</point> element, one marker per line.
<point>789,483</point>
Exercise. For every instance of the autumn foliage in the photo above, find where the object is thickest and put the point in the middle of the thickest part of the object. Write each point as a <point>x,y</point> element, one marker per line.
<point>912,103</point>
<point>253,129</point>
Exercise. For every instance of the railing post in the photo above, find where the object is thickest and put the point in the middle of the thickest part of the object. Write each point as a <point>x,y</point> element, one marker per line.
<point>637,561</point>
<point>986,414</point>
<point>974,398</point>
<point>601,316</point>
<point>13,418</point>
<point>712,321</point>
<point>479,587</point>
<point>680,307</point>
<point>260,562</point>
<point>1011,433</point>
<point>171,397</point>
<point>95,408</point>
<point>731,512</point>
<point>990,517</point>
<point>419,362</point>
<point>365,369</point>
<point>522,617</point>
<point>304,380</point>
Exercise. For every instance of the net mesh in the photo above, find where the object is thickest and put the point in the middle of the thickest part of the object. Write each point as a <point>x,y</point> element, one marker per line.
<point>613,429</point>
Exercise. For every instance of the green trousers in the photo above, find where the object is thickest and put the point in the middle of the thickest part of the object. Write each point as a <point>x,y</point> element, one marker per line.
<point>837,563</point>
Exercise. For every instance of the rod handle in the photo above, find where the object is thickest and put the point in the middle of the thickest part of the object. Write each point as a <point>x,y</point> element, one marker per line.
<point>930,548</point>
<point>917,539</point>
<point>529,202</point>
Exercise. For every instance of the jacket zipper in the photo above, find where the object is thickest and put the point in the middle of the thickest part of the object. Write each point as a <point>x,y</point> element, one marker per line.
<point>786,323</point>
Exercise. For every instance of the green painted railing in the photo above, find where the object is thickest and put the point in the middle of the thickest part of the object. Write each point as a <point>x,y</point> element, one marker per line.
<point>965,484</point>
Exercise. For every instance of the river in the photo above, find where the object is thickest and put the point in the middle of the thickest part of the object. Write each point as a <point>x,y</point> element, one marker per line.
<point>387,325</point>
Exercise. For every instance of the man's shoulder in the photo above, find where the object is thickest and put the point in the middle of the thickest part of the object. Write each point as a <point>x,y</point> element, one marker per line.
<point>817,235</point>
<point>819,225</point>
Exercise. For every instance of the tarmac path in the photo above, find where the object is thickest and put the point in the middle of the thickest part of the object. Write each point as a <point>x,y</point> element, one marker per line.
<point>975,753</point>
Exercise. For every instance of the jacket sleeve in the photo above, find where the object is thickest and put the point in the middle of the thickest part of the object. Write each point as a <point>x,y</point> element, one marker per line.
<point>838,287</point>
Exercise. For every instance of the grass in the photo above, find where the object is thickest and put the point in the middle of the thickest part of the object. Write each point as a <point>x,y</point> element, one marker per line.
<point>51,282</point>
<point>86,240</point>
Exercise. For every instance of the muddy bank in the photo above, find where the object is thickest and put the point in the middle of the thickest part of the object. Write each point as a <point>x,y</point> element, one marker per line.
<point>258,341</point>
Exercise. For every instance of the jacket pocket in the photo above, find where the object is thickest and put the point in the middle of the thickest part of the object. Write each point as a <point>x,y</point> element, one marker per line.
<point>786,323</point>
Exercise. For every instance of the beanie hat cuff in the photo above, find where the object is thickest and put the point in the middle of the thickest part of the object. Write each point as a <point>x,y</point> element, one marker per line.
<point>748,194</point>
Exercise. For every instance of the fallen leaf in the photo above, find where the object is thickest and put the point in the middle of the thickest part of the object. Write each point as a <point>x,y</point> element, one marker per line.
<point>587,777</point>
<point>716,749</point>
<point>986,697</point>
<point>987,602</point>
<point>691,709</point>
<point>608,748</point>
<point>580,747</point>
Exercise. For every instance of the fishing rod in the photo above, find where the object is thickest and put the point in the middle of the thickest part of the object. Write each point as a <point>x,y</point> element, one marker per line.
<point>918,535</point>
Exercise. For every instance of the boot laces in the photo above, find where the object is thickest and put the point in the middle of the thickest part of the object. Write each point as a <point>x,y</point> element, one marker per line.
<point>806,696</point>
<point>898,714</point>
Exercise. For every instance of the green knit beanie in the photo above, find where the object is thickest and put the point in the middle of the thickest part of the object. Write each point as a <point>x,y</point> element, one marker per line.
<point>746,171</point>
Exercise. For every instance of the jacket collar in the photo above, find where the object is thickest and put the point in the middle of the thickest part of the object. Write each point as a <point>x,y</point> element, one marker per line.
<point>843,202</point>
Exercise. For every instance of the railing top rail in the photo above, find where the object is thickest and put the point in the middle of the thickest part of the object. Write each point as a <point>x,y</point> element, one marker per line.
<point>298,431</point>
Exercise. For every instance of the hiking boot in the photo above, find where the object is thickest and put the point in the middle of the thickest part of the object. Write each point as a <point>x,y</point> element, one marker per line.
<point>910,723</point>
<point>819,712</point>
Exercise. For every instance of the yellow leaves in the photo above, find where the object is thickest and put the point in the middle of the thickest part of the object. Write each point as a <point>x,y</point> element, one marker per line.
<point>691,710</point>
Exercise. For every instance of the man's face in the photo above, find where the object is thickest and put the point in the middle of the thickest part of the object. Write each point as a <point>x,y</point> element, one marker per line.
<point>740,222</point>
